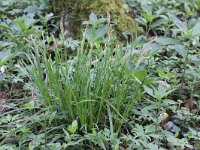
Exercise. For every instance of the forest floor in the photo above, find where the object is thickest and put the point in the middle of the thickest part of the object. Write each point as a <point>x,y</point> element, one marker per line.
<point>105,90</point>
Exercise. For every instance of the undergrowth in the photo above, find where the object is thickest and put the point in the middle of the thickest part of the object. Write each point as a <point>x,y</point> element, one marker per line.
<point>97,92</point>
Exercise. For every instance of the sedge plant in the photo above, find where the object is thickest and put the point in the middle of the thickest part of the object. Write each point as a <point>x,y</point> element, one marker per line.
<point>95,87</point>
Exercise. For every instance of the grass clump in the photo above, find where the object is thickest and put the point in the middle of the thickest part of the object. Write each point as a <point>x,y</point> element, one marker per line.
<point>95,87</point>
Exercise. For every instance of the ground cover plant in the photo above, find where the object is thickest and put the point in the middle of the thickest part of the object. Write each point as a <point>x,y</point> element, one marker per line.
<point>106,90</point>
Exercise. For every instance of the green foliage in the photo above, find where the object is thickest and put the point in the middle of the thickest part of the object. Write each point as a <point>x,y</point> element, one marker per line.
<point>89,86</point>
<point>94,92</point>
<point>19,23</point>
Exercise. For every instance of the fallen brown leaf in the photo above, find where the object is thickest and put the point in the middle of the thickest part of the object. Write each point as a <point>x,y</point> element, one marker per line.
<point>190,104</point>
<point>3,98</point>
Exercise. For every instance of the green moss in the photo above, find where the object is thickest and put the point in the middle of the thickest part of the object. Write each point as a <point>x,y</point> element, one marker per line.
<point>79,10</point>
<point>119,13</point>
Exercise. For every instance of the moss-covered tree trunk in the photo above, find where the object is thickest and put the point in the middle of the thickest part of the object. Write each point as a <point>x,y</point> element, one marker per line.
<point>74,12</point>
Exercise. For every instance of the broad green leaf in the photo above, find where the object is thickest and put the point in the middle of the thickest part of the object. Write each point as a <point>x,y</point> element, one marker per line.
<point>31,9</point>
<point>149,91</point>
<point>21,24</point>
<point>196,29</point>
<point>93,18</point>
<point>140,74</point>
<point>31,31</point>
<point>29,105</point>
<point>148,17</point>
<point>73,127</point>
<point>100,20</point>
<point>167,93</point>
<point>146,8</point>
<point>152,146</point>
<point>158,23</point>
<point>100,33</point>
<point>181,25</point>
<point>181,50</point>
<point>163,74</point>
<point>169,102</point>
<point>5,27</point>
<point>167,41</point>
<point>160,72</point>
<point>4,44</point>
<point>162,89</point>
<point>5,56</point>
<point>29,20</point>
<point>8,147</point>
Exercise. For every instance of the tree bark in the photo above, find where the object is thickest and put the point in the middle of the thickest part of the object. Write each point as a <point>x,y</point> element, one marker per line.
<point>74,12</point>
